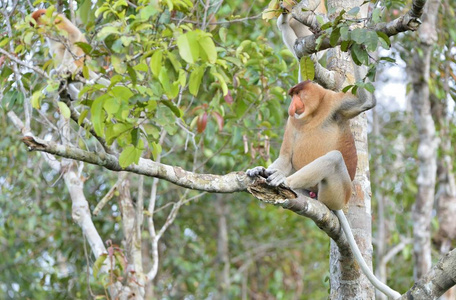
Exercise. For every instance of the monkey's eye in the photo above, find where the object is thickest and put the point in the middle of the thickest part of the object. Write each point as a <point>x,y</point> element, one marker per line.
<point>43,14</point>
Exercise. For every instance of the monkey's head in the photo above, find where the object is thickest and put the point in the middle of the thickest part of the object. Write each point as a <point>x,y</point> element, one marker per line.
<point>37,17</point>
<point>305,99</point>
<point>40,18</point>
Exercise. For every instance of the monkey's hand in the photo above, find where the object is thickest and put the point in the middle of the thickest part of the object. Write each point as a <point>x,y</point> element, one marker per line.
<point>276,177</point>
<point>257,171</point>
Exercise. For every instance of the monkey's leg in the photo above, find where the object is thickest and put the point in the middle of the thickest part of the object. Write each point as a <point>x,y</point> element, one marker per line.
<point>330,173</point>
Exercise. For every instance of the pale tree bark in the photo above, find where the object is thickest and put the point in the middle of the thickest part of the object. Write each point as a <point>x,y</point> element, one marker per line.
<point>131,222</point>
<point>223,259</point>
<point>347,280</point>
<point>419,69</point>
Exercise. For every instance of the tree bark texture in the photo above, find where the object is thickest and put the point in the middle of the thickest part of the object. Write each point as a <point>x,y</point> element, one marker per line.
<point>347,279</point>
<point>419,70</point>
<point>132,242</point>
<point>438,280</point>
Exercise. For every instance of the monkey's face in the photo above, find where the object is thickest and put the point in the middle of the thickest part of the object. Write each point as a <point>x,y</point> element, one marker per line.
<point>40,17</point>
<point>303,104</point>
<point>297,107</point>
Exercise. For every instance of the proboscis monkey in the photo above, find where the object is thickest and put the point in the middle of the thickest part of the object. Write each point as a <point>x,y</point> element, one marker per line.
<point>292,29</point>
<point>318,153</point>
<point>68,57</point>
<point>66,54</point>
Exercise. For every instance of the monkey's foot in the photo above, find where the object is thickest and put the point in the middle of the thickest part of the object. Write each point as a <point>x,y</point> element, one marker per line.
<point>260,189</point>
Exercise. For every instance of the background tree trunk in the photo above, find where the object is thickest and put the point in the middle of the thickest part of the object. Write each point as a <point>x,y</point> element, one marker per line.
<point>446,193</point>
<point>419,69</point>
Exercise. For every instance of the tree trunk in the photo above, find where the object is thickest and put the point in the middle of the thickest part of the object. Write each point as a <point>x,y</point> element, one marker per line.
<point>347,281</point>
<point>223,261</point>
<point>427,149</point>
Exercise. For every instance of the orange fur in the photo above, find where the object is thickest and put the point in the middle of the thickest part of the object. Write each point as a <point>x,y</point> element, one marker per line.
<point>62,48</point>
<point>321,130</point>
<point>318,150</point>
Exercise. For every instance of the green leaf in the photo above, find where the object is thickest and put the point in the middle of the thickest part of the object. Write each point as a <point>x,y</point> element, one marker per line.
<point>98,263</point>
<point>148,12</point>
<point>307,68</point>
<point>132,74</point>
<point>152,130</point>
<point>174,61</point>
<point>207,46</point>
<point>385,38</point>
<point>188,47</point>
<point>156,150</point>
<point>358,35</point>
<point>119,64</point>
<point>121,92</point>
<point>64,110</point>
<point>355,58</point>
<point>85,72</point>
<point>344,33</point>
<point>135,137</point>
<point>4,42</point>
<point>85,12</point>
<point>82,116</point>
<point>195,80</point>
<point>112,105</point>
<point>369,87</point>
<point>116,130</point>
<point>221,81</point>
<point>86,48</point>
<point>105,31</point>
<point>176,111</point>
<point>388,59</point>
<point>345,45</point>
<point>36,99</point>
<point>156,62</point>
<point>128,156</point>
<point>164,80</point>
<point>376,15</point>
<point>372,41</point>
<point>334,37</point>
<point>98,114</point>
<point>347,88</point>
<point>222,34</point>
<point>359,55</point>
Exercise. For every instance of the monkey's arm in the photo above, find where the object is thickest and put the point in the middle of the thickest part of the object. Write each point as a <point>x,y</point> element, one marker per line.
<point>353,105</point>
<point>278,171</point>
<point>281,167</point>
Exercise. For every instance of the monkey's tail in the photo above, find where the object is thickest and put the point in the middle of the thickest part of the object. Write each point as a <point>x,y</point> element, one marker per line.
<point>359,258</point>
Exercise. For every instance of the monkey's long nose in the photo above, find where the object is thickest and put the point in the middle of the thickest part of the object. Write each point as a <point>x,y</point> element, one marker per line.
<point>296,106</point>
<point>291,109</point>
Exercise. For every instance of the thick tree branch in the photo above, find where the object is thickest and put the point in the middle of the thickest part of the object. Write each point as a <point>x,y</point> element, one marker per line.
<point>304,206</point>
<point>232,182</point>
<point>307,45</point>
<point>24,64</point>
<point>437,281</point>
